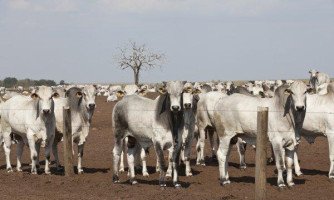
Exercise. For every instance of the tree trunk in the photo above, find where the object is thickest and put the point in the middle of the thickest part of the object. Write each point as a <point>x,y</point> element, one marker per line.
<point>136,76</point>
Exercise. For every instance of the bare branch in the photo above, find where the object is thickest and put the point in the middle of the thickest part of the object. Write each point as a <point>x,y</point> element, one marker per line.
<point>138,57</point>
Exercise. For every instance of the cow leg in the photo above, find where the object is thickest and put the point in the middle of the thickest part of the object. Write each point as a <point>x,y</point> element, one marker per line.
<point>289,162</point>
<point>212,144</point>
<point>186,152</point>
<point>48,149</point>
<point>222,154</point>
<point>241,147</point>
<point>157,166</point>
<point>80,155</point>
<point>116,157</point>
<point>161,160</point>
<point>121,165</point>
<point>6,147</point>
<point>201,146</point>
<point>131,164</point>
<point>176,159</point>
<point>278,151</point>
<point>38,148</point>
<point>19,151</point>
<point>331,156</point>
<point>55,154</point>
<point>143,158</point>
<point>169,172</point>
<point>33,155</point>
<point>271,160</point>
<point>296,164</point>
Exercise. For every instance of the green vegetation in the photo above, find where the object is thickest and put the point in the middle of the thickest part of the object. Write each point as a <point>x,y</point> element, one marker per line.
<point>11,82</point>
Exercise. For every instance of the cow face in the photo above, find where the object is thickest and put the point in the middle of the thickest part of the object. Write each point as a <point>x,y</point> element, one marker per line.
<point>313,73</point>
<point>45,95</point>
<point>298,91</point>
<point>89,95</point>
<point>174,90</point>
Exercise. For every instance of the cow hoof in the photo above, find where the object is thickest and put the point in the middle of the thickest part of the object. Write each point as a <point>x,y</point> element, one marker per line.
<point>163,185</point>
<point>47,172</point>
<point>169,174</point>
<point>189,174</point>
<point>299,173</point>
<point>270,161</point>
<point>281,186</point>
<point>243,167</point>
<point>115,179</point>
<point>121,170</point>
<point>80,171</point>
<point>60,169</point>
<point>145,174</point>
<point>134,182</point>
<point>177,186</point>
<point>224,183</point>
<point>34,172</point>
<point>19,169</point>
<point>290,185</point>
<point>9,170</point>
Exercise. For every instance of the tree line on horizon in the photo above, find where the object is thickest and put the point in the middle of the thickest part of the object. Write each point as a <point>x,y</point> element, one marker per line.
<point>12,82</point>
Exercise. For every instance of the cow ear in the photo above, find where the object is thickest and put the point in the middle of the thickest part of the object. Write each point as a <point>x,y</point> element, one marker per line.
<point>164,105</point>
<point>310,90</point>
<point>34,96</point>
<point>55,95</point>
<point>120,94</point>
<point>317,73</point>
<point>79,94</point>
<point>188,90</point>
<point>142,92</point>
<point>262,94</point>
<point>309,72</point>
<point>288,91</point>
<point>162,90</point>
<point>196,91</point>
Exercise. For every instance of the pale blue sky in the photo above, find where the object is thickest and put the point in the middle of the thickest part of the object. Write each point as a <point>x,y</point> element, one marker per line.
<point>75,40</point>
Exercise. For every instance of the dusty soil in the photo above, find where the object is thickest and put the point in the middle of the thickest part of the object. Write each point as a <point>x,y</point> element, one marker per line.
<point>96,183</point>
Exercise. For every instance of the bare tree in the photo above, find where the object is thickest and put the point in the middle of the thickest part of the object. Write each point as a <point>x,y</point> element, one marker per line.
<point>138,58</point>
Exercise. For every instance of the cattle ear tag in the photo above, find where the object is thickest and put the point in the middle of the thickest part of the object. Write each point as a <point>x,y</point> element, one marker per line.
<point>79,94</point>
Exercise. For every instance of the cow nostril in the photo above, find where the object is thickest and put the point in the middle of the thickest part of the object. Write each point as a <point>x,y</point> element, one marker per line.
<point>46,111</point>
<point>300,108</point>
<point>187,105</point>
<point>92,105</point>
<point>175,108</point>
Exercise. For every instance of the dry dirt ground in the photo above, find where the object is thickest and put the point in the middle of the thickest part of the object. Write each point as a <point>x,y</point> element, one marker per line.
<point>96,183</point>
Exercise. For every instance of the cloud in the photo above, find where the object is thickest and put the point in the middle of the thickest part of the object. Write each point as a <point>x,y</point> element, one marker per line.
<point>232,7</point>
<point>43,6</point>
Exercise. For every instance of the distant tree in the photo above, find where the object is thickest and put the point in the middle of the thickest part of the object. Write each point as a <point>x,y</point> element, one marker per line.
<point>45,82</point>
<point>10,82</point>
<point>138,58</point>
<point>62,82</point>
<point>26,83</point>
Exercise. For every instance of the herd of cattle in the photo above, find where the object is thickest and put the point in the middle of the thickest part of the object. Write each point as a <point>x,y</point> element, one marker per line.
<point>182,112</point>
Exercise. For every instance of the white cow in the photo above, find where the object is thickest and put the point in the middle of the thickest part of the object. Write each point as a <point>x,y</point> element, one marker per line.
<point>319,121</point>
<point>149,122</point>
<point>235,115</point>
<point>82,105</point>
<point>33,119</point>
<point>319,81</point>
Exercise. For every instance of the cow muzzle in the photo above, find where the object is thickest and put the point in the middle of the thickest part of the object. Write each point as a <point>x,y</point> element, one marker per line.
<point>187,105</point>
<point>175,108</point>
